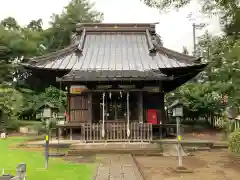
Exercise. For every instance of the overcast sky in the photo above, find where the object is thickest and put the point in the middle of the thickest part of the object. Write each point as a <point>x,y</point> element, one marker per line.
<point>174,27</point>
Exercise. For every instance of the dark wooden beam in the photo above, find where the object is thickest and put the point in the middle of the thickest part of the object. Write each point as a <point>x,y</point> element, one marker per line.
<point>90,107</point>
<point>69,103</point>
<point>116,90</point>
<point>140,106</point>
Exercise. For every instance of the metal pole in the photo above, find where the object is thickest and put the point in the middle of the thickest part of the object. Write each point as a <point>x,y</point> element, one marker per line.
<point>103,111</point>
<point>46,151</point>
<point>194,39</point>
<point>128,130</point>
<point>178,140</point>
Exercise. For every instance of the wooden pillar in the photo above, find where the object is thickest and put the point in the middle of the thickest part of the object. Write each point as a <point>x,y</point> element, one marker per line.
<point>162,110</point>
<point>69,104</point>
<point>90,107</point>
<point>71,134</point>
<point>140,106</point>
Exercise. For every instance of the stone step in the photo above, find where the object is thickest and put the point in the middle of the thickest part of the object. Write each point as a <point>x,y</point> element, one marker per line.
<point>72,152</point>
<point>191,149</point>
<point>115,146</point>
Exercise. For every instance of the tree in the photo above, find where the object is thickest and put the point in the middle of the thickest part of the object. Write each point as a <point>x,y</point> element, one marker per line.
<point>198,99</point>
<point>221,78</point>
<point>232,25</point>
<point>5,66</point>
<point>35,25</point>
<point>10,23</point>
<point>207,5</point>
<point>63,25</point>
<point>228,10</point>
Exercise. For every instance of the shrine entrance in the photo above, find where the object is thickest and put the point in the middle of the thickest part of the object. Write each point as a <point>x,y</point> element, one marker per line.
<point>116,106</point>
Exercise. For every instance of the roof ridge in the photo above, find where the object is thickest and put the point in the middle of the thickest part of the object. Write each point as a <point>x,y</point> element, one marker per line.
<point>175,54</point>
<point>80,25</point>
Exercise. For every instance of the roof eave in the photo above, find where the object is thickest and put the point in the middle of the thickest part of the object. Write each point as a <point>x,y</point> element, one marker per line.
<point>72,79</point>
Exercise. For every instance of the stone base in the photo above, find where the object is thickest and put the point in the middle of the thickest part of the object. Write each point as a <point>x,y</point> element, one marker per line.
<point>182,169</point>
<point>172,150</point>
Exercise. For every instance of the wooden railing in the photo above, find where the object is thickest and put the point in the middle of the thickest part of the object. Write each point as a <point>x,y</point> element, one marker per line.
<point>215,121</point>
<point>116,132</point>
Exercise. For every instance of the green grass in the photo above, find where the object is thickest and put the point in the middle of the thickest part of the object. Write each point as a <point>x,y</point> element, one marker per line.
<point>58,169</point>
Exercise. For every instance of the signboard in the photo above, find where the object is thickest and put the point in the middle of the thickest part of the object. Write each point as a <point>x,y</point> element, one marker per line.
<point>152,89</point>
<point>127,86</point>
<point>78,89</point>
<point>104,86</point>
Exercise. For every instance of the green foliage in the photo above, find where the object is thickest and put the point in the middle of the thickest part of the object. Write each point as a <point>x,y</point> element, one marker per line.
<point>10,24</point>
<point>223,55</point>
<point>54,96</point>
<point>10,101</point>
<point>17,43</point>
<point>228,127</point>
<point>40,127</point>
<point>62,25</point>
<point>234,142</point>
<point>198,99</point>
<point>227,10</point>
<point>220,78</point>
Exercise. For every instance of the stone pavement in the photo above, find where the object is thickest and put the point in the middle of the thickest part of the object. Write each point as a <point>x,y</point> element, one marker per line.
<point>118,167</point>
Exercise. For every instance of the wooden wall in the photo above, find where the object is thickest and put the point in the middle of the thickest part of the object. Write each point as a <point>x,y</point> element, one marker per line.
<point>86,107</point>
<point>78,107</point>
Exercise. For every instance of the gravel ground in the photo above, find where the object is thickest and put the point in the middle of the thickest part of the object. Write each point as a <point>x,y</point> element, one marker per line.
<point>215,165</point>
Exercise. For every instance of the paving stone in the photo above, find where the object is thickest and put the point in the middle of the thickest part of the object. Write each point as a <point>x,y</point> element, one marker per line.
<point>118,167</point>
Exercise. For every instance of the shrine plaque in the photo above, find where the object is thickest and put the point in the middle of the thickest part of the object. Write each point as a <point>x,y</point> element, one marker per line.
<point>78,89</point>
<point>152,88</point>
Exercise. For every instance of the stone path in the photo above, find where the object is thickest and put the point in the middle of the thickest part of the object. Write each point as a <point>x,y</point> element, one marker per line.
<point>118,167</point>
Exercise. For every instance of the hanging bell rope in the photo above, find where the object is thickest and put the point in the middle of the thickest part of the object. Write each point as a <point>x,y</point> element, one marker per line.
<point>128,128</point>
<point>103,114</point>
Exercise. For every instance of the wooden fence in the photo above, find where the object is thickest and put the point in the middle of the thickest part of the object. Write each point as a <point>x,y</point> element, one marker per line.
<point>216,121</point>
<point>116,132</point>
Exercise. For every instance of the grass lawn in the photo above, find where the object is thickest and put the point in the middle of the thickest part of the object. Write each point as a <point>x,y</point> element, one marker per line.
<point>58,169</point>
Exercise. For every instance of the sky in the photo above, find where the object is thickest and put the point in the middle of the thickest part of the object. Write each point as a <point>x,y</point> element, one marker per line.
<point>174,27</point>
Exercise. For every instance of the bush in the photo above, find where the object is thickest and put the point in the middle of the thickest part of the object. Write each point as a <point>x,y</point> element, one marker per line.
<point>234,141</point>
<point>12,126</point>
<point>40,128</point>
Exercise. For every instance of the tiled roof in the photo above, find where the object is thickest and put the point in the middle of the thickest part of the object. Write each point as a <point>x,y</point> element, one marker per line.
<point>113,51</point>
<point>114,47</point>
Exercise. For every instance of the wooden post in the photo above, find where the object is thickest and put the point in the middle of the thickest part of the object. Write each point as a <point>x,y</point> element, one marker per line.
<point>140,107</point>
<point>71,134</point>
<point>90,107</point>
<point>68,118</point>
<point>162,111</point>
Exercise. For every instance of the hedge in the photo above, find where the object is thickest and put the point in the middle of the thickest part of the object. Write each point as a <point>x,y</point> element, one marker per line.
<point>234,141</point>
